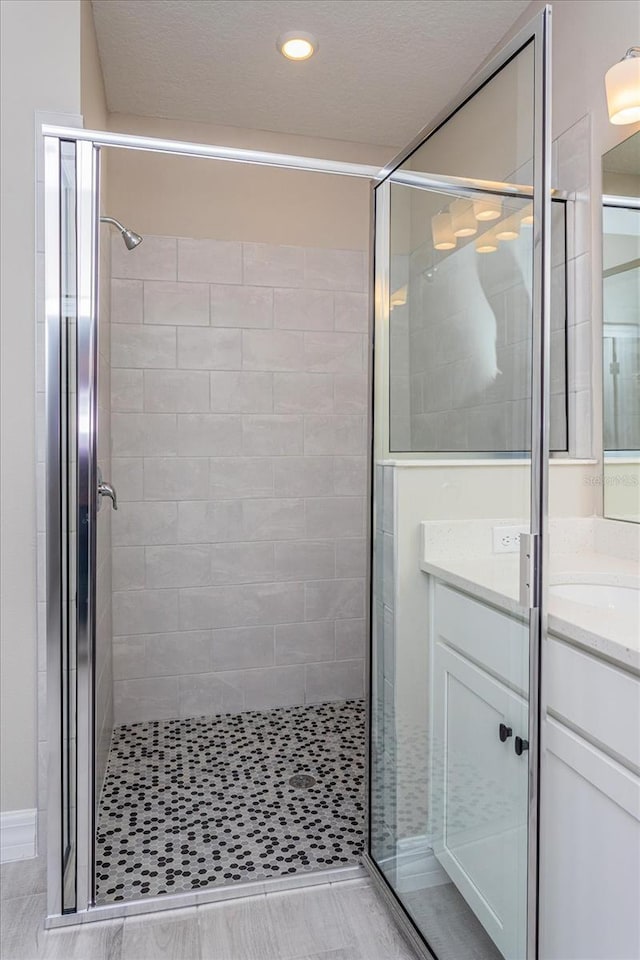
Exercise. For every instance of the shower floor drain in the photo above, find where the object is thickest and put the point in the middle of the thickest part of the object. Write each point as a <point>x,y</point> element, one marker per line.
<point>302,781</point>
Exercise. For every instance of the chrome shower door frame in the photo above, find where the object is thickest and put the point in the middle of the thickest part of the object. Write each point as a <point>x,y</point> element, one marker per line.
<point>79,593</point>
<point>538,31</point>
<point>87,145</point>
<point>53,321</point>
<point>87,194</point>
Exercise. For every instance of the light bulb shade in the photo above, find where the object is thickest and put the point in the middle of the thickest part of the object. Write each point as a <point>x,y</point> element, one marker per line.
<point>527,216</point>
<point>487,209</point>
<point>399,297</point>
<point>487,242</point>
<point>442,232</point>
<point>509,229</point>
<point>622,82</point>
<point>463,219</point>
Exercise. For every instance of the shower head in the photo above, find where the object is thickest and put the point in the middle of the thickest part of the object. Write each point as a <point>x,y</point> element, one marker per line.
<point>130,237</point>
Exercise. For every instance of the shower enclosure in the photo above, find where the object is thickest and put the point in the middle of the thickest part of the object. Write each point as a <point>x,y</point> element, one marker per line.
<point>461,376</point>
<point>220,406</point>
<point>459,364</point>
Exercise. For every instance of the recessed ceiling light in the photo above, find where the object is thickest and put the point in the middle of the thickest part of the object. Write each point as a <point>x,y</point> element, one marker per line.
<point>296,45</point>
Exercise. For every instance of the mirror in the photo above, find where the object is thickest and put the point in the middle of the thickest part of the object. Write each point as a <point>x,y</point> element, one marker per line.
<point>621,329</point>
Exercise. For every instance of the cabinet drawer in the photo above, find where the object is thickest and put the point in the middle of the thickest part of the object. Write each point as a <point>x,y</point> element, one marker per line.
<point>595,697</point>
<point>497,641</point>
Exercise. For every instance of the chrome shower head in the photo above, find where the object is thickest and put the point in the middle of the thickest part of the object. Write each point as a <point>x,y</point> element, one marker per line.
<point>130,237</point>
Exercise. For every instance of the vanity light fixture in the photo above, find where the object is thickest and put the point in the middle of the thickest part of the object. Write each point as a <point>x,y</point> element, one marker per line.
<point>509,229</point>
<point>398,298</point>
<point>527,216</point>
<point>487,242</point>
<point>297,45</point>
<point>487,209</point>
<point>442,231</point>
<point>622,83</point>
<point>462,218</point>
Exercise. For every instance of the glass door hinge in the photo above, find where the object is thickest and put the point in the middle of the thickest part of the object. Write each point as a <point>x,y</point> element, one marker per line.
<point>529,554</point>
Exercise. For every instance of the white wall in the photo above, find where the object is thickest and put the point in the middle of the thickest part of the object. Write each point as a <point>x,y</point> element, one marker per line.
<point>188,197</point>
<point>588,37</point>
<point>93,100</point>
<point>40,71</point>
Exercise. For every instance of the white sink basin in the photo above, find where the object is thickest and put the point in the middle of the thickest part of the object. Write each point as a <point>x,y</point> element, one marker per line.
<point>614,597</point>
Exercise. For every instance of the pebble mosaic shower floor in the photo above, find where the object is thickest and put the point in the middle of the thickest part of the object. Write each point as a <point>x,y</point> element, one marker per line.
<point>191,803</point>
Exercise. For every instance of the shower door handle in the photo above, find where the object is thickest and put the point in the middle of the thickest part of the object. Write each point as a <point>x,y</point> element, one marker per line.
<point>106,490</point>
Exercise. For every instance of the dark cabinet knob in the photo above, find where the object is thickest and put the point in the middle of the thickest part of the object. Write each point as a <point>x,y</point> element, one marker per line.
<point>521,745</point>
<point>505,732</point>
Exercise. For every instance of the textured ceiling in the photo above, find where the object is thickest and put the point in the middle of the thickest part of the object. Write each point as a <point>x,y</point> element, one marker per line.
<point>384,67</point>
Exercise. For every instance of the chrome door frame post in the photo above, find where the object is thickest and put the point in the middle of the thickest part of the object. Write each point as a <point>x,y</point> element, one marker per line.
<point>53,416</point>
<point>540,417</point>
<point>87,193</point>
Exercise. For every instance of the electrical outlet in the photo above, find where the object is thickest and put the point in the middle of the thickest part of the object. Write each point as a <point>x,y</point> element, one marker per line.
<point>507,539</point>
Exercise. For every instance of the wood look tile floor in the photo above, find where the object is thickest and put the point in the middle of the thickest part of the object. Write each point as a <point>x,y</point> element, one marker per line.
<point>338,921</point>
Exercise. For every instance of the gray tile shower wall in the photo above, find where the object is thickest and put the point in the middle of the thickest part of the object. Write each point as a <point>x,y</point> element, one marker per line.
<point>104,629</point>
<point>238,407</point>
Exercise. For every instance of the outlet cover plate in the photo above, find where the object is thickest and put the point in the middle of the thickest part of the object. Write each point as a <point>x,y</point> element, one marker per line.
<point>507,539</point>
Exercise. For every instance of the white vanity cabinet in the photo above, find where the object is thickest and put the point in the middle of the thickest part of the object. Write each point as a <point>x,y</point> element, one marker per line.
<point>590,788</point>
<point>590,810</point>
<point>479,782</point>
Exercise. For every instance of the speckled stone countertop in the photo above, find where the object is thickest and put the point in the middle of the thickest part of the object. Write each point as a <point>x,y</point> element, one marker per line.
<point>494,580</point>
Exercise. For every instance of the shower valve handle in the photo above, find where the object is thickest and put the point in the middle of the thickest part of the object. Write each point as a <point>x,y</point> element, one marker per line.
<point>106,490</point>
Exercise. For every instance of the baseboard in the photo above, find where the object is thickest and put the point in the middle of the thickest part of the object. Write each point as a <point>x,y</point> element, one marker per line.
<point>18,835</point>
<point>417,866</point>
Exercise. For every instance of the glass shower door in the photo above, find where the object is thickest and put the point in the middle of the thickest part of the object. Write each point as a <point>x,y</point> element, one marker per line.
<point>459,498</point>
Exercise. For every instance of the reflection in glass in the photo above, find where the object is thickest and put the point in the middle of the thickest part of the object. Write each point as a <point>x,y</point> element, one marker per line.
<point>621,361</point>
<point>489,137</point>
<point>621,330</point>
<point>454,317</point>
<point>460,334</point>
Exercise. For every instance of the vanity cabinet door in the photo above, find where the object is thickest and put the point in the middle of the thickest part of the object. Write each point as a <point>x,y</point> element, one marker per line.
<point>590,869</point>
<point>479,795</point>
